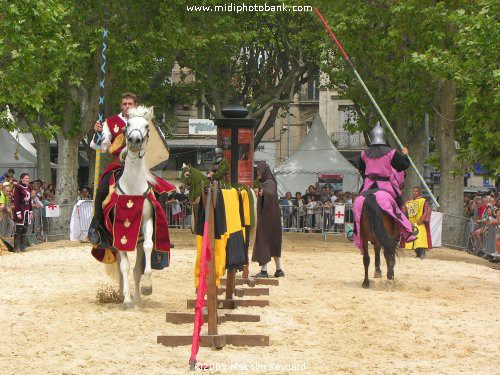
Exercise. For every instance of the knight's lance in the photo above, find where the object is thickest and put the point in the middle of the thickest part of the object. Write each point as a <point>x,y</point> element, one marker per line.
<point>374,103</point>
<point>101,100</point>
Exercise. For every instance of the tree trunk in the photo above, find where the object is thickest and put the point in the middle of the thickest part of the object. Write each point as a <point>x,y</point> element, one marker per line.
<point>42,145</point>
<point>67,169</point>
<point>271,119</point>
<point>415,145</point>
<point>411,138</point>
<point>451,181</point>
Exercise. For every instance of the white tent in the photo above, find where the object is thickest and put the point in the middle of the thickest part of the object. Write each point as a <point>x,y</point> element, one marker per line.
<point>16,154</point>
<point>316,155</point>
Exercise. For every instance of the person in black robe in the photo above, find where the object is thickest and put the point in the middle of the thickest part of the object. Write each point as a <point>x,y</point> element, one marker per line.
<point>268,236</point>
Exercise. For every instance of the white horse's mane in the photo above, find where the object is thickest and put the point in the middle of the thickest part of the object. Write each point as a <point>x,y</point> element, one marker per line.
<point>141,111</point>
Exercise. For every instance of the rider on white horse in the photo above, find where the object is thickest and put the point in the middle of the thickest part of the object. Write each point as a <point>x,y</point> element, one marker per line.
<point>112,141</point>
<point>132,209</point>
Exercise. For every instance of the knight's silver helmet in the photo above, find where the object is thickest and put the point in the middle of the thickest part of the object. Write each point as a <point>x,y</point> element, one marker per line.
<point>219,154</point>
<point>377,136</point>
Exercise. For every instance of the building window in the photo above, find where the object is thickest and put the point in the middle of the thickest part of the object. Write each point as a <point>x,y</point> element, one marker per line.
<point>202,111</point>
<point>347,116</point>
<point>313,88</point>
<point>345,139</point>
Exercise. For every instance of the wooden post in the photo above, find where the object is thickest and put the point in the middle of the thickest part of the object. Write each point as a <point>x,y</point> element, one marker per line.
<point>212,288</point>
<point>231,278</point>
<point>245,272</point>
<point>212,338</point>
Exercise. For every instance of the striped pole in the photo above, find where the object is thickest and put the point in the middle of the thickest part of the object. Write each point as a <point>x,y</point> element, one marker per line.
<point>375,104</point>
<point>101,100</point>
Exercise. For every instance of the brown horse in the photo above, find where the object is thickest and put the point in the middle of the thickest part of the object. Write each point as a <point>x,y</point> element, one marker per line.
<point>381,230</point>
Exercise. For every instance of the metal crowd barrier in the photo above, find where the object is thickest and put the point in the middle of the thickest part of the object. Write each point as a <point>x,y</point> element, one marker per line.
<point>456,231</point>
<point>60,227</point>
<point>178,214</point>
<point>74,221</point>
<point>482,239</point>
<point>315,220</point>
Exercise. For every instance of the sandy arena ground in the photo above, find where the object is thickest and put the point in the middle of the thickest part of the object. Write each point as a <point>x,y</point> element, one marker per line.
<point>442,317</point>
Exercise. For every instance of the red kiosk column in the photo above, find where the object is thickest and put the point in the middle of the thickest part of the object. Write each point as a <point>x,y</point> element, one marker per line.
<point>235,137</point>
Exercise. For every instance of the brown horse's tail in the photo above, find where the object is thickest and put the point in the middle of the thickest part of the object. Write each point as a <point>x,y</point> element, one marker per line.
<point>376,223</point>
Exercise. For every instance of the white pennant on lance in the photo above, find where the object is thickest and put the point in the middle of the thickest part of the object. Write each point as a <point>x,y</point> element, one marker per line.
<point>339,214</point>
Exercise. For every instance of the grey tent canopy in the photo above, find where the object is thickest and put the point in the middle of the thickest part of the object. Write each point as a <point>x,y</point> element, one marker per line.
<point>316,155</point>
<point>15,155</point>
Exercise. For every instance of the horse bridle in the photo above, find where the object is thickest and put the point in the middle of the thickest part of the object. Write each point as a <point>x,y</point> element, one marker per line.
<point>144,138</point>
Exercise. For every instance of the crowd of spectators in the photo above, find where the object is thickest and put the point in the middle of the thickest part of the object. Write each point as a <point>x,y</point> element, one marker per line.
<point>42,195</point>
<point>484,213</point>
<point>313,211</point>
<point>179,208</point>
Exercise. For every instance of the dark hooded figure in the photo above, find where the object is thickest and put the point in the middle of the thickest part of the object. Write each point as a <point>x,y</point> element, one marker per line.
<point>268,238</point>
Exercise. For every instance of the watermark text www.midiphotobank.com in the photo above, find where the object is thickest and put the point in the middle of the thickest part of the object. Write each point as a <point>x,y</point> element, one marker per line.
<point>244,7</point>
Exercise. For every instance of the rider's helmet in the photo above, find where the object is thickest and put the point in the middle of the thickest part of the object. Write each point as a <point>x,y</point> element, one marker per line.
<point>377,135</point>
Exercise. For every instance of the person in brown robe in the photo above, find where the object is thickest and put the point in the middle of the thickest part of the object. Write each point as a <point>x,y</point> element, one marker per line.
<point>268,236</point>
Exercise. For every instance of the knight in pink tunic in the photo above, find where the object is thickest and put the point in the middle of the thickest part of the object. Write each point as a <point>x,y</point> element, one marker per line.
<point>382,168</point>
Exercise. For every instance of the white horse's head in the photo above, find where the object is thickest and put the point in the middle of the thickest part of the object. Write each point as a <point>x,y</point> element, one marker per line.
<point>137,129</point>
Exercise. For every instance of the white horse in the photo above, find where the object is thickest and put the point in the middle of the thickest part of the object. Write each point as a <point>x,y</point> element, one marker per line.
<point>134,181</point>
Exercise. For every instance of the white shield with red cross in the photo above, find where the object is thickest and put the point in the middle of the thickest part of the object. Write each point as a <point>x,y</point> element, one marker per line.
<point>52,210</point>
<point>339,214</point>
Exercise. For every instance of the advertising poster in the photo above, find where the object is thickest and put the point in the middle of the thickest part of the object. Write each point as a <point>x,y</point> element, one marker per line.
<point>245,156</point>
<point>334,181</point>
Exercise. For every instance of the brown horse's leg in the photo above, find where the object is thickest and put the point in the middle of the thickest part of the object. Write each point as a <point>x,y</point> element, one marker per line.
<point>378,271</point>
<point>390,259</point>
<point>366,263</point>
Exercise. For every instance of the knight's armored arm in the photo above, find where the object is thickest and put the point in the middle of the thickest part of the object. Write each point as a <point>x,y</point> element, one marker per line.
<point>400,162</point>
<point>361,166</point>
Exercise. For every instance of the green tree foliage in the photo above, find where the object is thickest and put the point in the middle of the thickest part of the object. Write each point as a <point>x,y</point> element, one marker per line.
<point>472,61</point>
<point>404,50</point>
<point>34,46</point>
<point>259,58</point>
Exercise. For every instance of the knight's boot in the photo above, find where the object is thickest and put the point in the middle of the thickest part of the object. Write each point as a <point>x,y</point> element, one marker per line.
<point>94,235</point>
<point>17,238</point>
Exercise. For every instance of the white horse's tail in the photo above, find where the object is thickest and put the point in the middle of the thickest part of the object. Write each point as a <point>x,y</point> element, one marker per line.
<point>113,271</point>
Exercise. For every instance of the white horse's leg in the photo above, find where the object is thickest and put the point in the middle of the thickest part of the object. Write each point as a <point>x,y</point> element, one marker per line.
<point>147,230</point>
<point>138,273</point>
<point>120,282</point>
<point>124,268</point>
